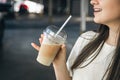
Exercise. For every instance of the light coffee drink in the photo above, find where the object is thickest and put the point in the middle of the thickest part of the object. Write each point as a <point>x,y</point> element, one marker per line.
<point>49,52</point>
<point>50,45</point>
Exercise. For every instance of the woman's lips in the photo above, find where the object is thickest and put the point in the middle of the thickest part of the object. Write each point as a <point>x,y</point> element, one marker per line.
<point>97,10</point>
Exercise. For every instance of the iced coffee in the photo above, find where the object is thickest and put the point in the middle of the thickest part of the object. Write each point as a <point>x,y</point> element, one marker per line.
<point>50,45</point>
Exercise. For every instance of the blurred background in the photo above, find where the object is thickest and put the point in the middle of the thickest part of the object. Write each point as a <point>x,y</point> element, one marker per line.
<point>22,22</point>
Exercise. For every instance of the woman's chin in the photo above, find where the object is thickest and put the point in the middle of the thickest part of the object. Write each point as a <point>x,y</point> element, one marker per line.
<point>97,21</point>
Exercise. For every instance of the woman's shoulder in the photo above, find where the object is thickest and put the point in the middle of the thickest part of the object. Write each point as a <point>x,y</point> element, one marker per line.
<point>89,35</point>
<point>85,38</point>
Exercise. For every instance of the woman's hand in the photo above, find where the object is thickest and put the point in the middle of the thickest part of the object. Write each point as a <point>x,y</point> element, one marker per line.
<point>59,62</point>
<point>35,46</point>
<point>61,55</point>
<point>59,65</point>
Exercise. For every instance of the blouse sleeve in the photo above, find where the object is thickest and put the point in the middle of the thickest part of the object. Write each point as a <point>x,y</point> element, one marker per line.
<point>79,45</point>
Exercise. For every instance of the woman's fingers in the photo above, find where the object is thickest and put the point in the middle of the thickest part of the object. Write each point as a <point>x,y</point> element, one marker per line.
<point>35,46</point>
<point>62,52</point>
<point>61,56</point>
<point>42,35</point>
<point>41,38</point>
<point>63,48</point>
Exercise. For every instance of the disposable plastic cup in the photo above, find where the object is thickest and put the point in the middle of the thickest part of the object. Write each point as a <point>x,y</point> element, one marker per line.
<point>50,45</point>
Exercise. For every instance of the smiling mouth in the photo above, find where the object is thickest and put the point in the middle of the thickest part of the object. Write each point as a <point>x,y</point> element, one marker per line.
<point>97,9</point>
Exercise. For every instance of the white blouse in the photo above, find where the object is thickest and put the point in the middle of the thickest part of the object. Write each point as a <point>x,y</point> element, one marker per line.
<point>96,69</point>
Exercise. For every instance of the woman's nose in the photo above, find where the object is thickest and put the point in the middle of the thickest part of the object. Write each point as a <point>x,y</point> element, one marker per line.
<point>93,2</point>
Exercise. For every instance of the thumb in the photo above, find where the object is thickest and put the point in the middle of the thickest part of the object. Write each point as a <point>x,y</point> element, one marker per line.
<point>63,48</point>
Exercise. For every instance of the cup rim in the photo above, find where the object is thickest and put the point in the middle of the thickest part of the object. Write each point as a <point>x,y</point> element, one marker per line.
<point>53,34</point>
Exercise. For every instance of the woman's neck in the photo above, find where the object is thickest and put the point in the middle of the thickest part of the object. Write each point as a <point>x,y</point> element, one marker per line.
<point>113,35</point>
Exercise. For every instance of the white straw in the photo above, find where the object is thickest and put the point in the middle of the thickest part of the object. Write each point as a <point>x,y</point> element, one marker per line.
<point>63,25</point>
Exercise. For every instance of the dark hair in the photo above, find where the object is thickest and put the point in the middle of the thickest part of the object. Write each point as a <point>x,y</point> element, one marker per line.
<point>113,72</point>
